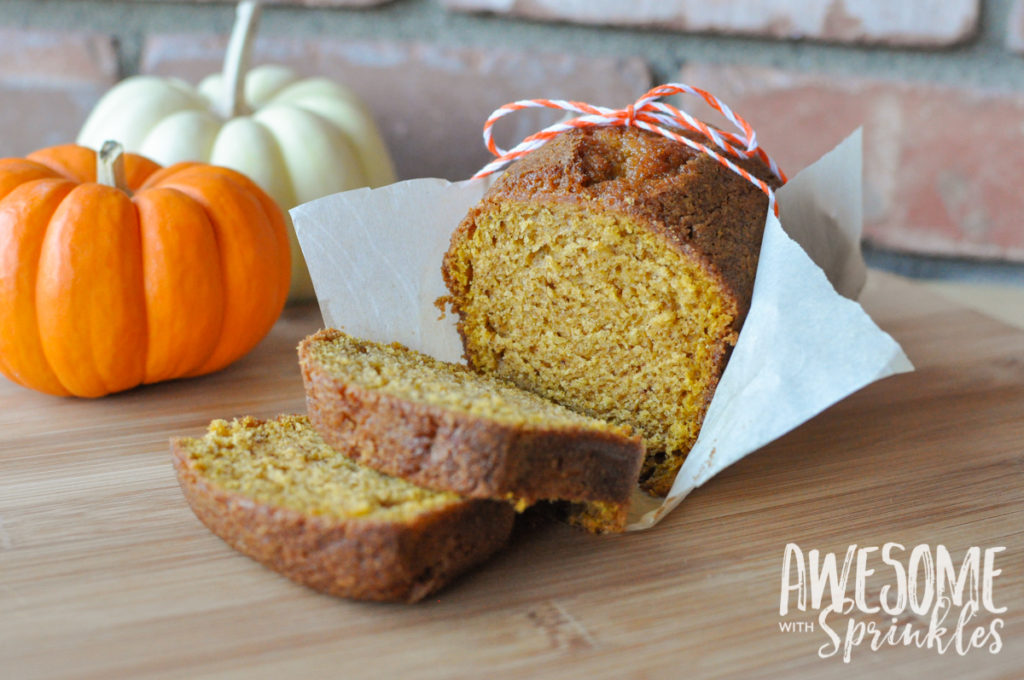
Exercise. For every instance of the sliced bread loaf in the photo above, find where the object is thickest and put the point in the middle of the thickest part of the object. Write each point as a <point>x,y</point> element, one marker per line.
<point>611,271</point>
<point>276,492</point>
<point>445,427</point>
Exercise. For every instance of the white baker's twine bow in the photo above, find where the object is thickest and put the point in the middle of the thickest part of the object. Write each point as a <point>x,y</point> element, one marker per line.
<point>648,114</point>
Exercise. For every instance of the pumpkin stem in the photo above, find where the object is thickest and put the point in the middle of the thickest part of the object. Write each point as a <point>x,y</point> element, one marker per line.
<point>110,166</point>
<point>236,60</point>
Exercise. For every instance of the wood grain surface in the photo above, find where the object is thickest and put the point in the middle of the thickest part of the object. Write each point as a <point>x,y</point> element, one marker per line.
<point>105,573</point>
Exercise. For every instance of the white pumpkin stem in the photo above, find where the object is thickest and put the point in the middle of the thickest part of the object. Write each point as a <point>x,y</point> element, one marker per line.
<point>236,61</point>
<point>110,166</point>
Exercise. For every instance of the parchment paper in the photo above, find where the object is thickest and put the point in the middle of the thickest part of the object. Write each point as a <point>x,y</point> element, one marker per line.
<point>375,255</point>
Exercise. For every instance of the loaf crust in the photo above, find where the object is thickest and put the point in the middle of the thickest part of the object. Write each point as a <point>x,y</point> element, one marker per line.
<point>365,559</point>
<point>445,449</point>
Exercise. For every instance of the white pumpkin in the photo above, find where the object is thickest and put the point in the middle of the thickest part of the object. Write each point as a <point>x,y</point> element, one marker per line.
<point>298,139</point>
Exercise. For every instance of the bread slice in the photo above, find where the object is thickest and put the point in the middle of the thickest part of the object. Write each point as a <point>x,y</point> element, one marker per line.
<point>277,493</point>
<point>442,426</point>
<point>610,271</point>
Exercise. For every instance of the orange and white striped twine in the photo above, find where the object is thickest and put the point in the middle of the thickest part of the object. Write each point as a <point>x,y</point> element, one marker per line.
<point>648,114</point>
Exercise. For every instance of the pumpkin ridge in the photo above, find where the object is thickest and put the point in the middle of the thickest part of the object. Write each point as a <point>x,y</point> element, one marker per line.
<point>295,129</point>
<point>44,276</point>
<point>69,161</point>
<point>91,301</point>
<point>355,121</point>
<point>25,362</point>
<point>279,184</point>
<point>183,135</point>
<point>285,78</point>
<point>166,183</point>
<point>246,321</point>
<point>137,170</point>
<point>164,175</point>
<point>185,323</point>
<point>70,185</point>
<point>278,221</point>
<point>15,172</point>
<point>334,129</point>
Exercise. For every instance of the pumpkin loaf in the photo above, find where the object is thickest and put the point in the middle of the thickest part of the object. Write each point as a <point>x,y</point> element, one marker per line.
<point>610,271</point>
<point>276,492</point>
<point>444,427</point>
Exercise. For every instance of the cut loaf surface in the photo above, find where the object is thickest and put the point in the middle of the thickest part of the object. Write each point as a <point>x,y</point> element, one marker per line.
<point>276,492</point>
<point>443,426</point>
<point>610,271</point>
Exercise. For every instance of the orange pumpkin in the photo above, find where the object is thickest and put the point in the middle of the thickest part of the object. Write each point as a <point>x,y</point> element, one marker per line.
<point>143,275</point>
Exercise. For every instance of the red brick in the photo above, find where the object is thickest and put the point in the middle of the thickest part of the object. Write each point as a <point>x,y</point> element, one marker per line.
<point>48,83</point>
<point>1015,28</point>
<point>941,176</point>
<point>430,101</point>
<point>896,22</point>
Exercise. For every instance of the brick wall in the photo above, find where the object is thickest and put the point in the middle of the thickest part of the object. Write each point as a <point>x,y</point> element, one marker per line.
<point>938,84</point>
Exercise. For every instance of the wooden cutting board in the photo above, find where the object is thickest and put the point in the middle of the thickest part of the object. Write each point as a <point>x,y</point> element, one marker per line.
<point>105,573</point>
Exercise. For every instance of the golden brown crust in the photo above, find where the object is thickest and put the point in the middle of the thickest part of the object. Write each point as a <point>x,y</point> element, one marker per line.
<point>440,448</point>
<point>356,558</point>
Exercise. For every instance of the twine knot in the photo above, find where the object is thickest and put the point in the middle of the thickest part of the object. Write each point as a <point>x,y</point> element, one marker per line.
<point>646,113</point>
<point>631,114</point>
